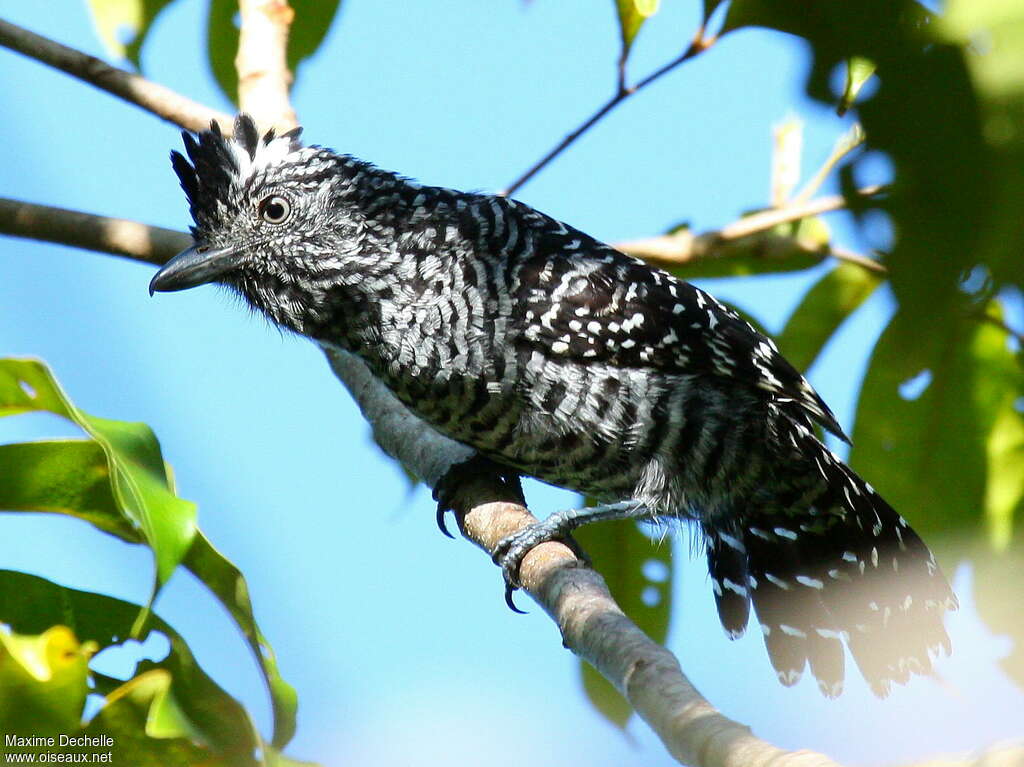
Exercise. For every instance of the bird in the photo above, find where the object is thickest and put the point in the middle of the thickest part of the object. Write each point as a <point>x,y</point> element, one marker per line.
<point>555,356</point>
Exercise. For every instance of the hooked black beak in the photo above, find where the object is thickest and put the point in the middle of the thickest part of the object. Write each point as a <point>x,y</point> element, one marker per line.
<point>197,265</point>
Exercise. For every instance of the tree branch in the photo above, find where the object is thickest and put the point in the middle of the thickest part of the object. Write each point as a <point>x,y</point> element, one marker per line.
<point>151,244</point>
<point>750,233</point>
<point>698,45</point>
<point>263,75</point>
<point>135,89</point>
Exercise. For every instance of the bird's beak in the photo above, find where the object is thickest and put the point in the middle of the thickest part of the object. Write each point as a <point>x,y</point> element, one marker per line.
<point>195,266</point>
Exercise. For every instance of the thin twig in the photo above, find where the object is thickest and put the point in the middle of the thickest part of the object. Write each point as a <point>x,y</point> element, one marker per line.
<point>698,45</point>
<point>768,219</point>
<point>135,89</point>
<point>846,144</point>
<point>752,233</point>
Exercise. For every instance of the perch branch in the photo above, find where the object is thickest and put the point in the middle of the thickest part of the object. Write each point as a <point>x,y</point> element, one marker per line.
<point>135,89</point>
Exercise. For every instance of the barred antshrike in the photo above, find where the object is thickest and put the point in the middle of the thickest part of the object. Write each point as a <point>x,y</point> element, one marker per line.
<point>558,357</point>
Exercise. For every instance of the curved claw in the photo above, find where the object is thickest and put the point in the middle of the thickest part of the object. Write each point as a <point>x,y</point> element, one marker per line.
<point>509,591</point>
<point>441,511</point>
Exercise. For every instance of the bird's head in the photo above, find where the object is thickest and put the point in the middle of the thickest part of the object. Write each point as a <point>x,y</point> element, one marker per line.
<point>267,217</point>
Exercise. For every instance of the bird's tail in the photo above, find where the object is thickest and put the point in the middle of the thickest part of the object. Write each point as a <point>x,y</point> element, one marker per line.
<point>826,561</point>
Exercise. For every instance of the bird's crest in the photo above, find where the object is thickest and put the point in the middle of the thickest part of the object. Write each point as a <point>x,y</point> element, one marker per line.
<point>220,165</point>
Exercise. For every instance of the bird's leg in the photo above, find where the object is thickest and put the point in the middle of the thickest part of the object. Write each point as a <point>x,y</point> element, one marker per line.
<point>507,482</point>
<point>509,552</point>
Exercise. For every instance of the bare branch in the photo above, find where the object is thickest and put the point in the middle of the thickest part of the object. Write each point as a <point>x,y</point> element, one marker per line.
<point>750,234</point>
<point>135,89</point>
<point>767,219</point>
<point>263,75</point>
<point>130,239</point>
<point>696,47</point>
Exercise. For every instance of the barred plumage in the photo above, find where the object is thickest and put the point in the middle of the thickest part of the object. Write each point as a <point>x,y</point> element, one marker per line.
<point>561,358</point>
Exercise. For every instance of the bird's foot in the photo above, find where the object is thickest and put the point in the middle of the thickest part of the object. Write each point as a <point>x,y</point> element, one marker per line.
<point>445,492</point>
<point>511,550</point>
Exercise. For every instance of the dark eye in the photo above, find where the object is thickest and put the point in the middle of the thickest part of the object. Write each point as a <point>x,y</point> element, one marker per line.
<point>275,209</point>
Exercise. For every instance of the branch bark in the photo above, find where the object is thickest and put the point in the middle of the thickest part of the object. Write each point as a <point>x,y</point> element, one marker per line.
<point>263,75</point>
<point>750,234</point>
<point>128,86</point>
<point>121,237</point>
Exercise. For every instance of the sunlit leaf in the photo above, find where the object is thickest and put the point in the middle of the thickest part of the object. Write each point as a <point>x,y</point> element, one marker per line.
<point>136,466</point>
<point>992,34</point>
<point>824,307</point>
<point>858,71</point>
<point>639,575</point>
<point>124,25</point>
<point>43,681</point>
<point>632,15</point>
<point>150,729</point>
<point>33,605</point>
<point>787,152</point>
<point>710,6</point>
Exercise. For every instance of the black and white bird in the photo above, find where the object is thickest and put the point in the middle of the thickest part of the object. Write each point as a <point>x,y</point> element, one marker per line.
<point>559,357</point>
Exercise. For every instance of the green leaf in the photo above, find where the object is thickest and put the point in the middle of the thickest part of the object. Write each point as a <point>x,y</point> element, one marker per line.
<point>150,729</point>
<point>222,46</point>
<point>941,458</point>
<point>226,582</point>
<point>43,682</point>
<point>991,33</point>
<point>123,24</point>
<point>639,575</point>
<point>825,307</point>
<point>308,29</point>
<point>33,605</point>
<point>65,477</point>
<point>858,71</point>
<point>136,466</point>
<point>73,477</point>
<point>632,15</point>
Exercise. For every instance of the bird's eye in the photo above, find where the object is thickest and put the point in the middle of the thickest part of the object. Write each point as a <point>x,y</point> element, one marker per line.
<point>275,209</point>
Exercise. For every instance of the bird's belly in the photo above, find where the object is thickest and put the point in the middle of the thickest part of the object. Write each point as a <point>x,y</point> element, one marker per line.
<point>588,429</point>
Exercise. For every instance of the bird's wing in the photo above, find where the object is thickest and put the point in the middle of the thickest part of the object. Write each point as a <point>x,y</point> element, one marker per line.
<point>576,298</point>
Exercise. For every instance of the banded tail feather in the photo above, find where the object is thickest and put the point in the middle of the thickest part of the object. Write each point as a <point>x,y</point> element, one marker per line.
<point>828,562</point>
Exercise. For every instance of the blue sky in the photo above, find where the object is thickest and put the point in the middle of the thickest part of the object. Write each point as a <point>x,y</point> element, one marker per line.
<point>398,639</point>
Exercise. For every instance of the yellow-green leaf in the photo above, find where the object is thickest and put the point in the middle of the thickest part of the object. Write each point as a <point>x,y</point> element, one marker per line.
<point>43,681</point>
<point>858,71</point>
<point>632,15</point>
